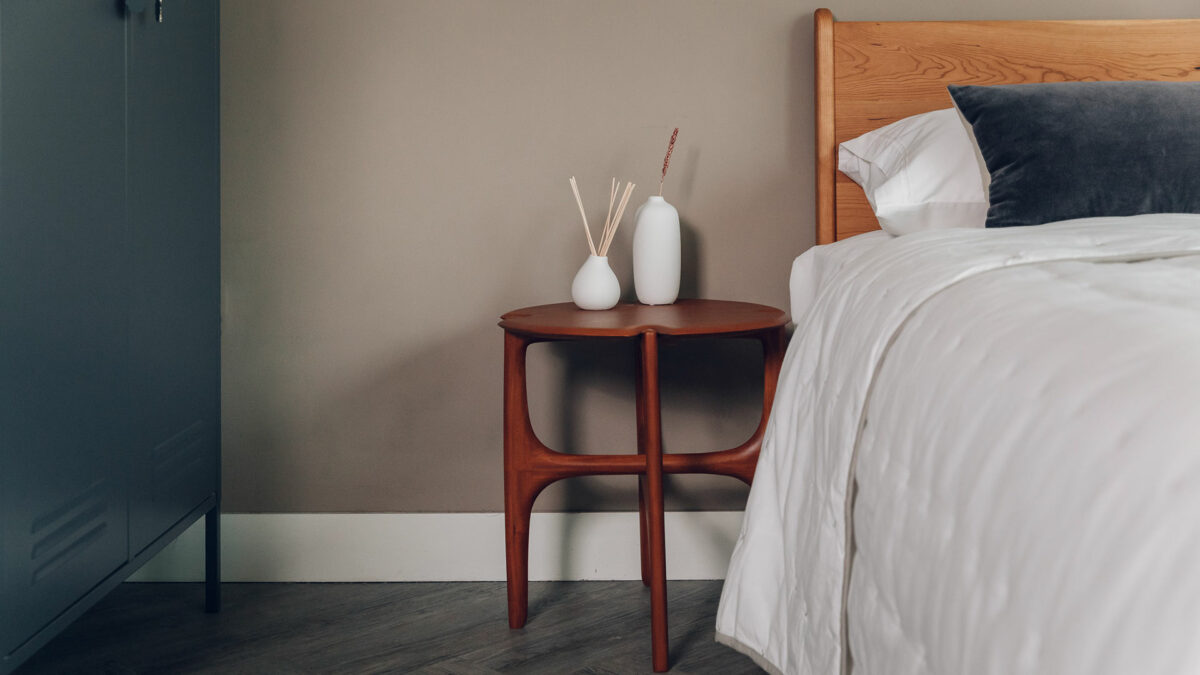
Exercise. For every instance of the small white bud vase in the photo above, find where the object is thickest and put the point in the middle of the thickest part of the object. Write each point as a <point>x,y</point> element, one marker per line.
<point>595,285</point>
<point>656,252</point>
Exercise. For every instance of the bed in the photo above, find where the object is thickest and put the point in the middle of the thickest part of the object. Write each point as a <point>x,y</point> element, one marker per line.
<point>984,454</point>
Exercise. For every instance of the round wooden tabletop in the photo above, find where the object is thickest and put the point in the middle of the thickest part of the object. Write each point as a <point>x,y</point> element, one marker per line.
<point>684,317</point>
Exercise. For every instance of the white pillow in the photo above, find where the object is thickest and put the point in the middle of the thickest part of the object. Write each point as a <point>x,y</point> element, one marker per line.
<point>921,173</point>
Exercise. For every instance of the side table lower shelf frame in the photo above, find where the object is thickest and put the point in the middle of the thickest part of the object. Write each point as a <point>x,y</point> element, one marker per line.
<point>530,466</point>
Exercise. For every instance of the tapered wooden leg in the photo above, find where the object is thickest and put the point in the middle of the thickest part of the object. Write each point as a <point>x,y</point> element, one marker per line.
<point>517,500</point>
<point>516,542</point>
<point>212,559</point>
<point>643,532</point>
<point>774,346</point>
<point>654,502</point>
<point>643,542</point>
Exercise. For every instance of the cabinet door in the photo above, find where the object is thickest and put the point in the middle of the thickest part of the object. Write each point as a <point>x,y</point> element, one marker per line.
<point>63,307</point>
<point>175,239</point>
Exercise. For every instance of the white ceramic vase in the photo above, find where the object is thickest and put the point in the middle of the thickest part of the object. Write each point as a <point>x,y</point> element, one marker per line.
<point>595,285</point>
<point>656,252</point>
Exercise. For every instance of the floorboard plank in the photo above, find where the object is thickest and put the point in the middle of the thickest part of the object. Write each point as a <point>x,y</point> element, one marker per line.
<point>585,628</point>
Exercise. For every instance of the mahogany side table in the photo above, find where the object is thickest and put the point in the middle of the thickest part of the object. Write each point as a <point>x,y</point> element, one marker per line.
<point>529,466</point>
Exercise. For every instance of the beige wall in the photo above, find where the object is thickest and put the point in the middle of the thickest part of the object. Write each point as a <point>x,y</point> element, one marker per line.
<point>395,178</point>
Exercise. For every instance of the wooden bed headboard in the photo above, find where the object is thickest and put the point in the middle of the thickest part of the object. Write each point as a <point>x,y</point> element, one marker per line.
<point>869,74</point>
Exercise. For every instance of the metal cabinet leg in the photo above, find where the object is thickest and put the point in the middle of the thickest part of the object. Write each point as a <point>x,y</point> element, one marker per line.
<point>212,559</point>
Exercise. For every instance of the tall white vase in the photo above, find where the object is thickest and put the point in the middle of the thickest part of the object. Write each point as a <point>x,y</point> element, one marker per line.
<point>595,286</point>
<point>656,252</point>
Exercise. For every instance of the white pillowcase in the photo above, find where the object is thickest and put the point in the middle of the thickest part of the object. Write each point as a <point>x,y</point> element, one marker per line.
<point>921,173</point>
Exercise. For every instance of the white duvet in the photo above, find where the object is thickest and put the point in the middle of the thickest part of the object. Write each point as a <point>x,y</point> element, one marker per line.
<point>984,458</point>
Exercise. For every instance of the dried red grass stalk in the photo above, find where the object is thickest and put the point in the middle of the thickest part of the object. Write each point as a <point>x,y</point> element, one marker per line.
<point>667,160</point>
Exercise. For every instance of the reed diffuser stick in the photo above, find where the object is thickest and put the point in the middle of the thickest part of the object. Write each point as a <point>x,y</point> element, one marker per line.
<point>611,223</point>
<point>612,197</point>
<point>616,221</point>
<point>667,160</point>
<point>579,201</point>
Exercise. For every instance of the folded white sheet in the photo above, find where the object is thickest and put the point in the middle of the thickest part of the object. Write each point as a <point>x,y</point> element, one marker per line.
<point>809,271</point>
<point>1028,496</point>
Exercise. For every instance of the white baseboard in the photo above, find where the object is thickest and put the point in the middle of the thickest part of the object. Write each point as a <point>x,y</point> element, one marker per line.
<point>443,547</point>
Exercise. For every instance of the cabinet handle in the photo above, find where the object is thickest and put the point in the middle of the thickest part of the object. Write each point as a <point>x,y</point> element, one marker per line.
<point>138,6</point>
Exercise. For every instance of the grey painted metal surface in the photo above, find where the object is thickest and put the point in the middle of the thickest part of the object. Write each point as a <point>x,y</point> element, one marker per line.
<point>109,310</point>
<point>175,239</point>
<point>63,316</point>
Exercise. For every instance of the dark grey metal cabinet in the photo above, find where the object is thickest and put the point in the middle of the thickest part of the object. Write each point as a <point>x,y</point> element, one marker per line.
<point>109,300</point>
<point>63,377</point>
<point>173,216</point>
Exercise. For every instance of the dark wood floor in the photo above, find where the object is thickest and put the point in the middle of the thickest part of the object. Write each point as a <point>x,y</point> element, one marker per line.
<point>592,627</point>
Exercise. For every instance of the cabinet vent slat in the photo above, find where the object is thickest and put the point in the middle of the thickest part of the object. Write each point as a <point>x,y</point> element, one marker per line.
<point>70,528</point>
<point>178,448</point>
<point>70,552</point>
<point>63,511</point>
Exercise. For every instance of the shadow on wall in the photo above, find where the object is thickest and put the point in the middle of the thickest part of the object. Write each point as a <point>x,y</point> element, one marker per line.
<point>689,255</point>
<point>800,112</point>
<point>711,398</point>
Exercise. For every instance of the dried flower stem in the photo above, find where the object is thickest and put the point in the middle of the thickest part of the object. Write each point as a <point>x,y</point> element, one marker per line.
<point>667,160</point>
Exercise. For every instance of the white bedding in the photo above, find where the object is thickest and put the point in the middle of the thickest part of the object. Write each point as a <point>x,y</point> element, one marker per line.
<point>1025,489</point>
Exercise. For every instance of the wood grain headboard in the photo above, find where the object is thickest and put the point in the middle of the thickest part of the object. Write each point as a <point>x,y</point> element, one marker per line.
<point>873,73</point>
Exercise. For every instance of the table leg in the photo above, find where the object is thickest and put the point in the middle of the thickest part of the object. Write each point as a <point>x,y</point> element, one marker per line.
<point>518,500</point>
<point>774,344</point>
<point>642,434</point>
<point>654,501</point>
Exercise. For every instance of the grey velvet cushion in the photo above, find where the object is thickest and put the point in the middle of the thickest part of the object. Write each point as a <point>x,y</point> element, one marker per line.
<point>1080,149</point>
